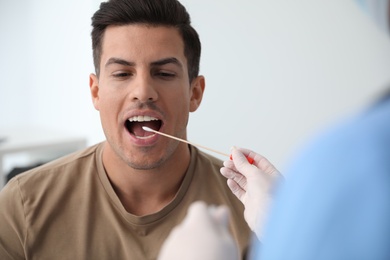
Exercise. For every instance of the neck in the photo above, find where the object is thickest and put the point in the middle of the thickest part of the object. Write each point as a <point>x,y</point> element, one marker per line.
<point>143,192</point>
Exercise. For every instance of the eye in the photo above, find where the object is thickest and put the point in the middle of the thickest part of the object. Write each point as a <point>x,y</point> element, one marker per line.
<point>122,74</point>
<point>165,74</point>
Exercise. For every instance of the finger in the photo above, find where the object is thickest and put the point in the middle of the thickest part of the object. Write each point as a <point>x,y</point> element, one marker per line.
<point>248,153</point>
<point>236,189</point>
<point>228,173</point>
<point>259,161</point>
<point>240,162</point>
<point>266,166</point>
<point>235,176</point>
<point>229,164</point>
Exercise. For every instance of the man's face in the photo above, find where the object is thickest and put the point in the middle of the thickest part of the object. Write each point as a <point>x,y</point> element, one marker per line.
<point>144,81</point>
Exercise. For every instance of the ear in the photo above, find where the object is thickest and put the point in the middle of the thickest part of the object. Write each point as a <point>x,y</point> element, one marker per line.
<point>94,88</point>
<point>197,88</point>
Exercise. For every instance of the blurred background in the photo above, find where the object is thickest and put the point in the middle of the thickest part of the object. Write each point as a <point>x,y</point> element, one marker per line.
<point>276,71</point>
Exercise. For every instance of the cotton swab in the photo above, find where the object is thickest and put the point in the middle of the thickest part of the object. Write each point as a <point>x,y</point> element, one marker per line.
<point>182,140</point>
<point>250,160</point>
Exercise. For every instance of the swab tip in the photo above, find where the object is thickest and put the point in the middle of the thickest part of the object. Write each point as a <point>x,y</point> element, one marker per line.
<point>147,129</point>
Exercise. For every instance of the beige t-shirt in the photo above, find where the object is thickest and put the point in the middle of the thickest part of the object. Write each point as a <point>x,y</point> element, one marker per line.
<point>67,209</point>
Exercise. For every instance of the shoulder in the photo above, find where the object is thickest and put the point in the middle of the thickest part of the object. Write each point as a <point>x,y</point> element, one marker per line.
<point>206,160</point>
<point>55,172</point>
<point>207,167</point>
<point>363,140</point>
<point>207,178</point>
<point>349,160</point>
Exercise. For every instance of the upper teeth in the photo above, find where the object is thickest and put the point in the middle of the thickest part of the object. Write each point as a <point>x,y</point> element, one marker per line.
<point>142,119</point>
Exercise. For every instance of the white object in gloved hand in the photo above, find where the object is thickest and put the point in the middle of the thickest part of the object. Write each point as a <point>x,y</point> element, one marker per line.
<point>252,184</point>
<point>203,234</point>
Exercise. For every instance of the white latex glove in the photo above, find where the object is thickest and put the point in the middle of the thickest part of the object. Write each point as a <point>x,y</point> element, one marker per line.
<point>252,184</point>
<point>203,234</point>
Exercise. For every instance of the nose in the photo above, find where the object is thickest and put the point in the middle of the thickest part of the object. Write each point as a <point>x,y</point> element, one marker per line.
<point>143,89</point>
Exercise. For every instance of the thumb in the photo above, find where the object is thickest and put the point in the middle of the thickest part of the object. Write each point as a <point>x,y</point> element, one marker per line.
<point>240,161</point>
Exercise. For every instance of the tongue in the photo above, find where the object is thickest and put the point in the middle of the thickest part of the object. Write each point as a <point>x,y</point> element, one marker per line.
<point>136,128</point>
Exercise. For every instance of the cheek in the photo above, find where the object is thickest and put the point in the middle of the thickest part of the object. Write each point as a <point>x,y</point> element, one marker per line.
<point>111,95</point>
<point>109,104</point>
<point>181,106</point>
<point>180,101</point>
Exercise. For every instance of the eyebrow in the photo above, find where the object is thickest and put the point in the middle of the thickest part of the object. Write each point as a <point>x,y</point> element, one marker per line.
<point>119,61</point>
<point>161,62</point>
<point>169,60</point>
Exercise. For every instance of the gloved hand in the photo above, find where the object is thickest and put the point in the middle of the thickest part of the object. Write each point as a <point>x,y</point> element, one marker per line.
<point>203,234</point>
<point>252,184</point>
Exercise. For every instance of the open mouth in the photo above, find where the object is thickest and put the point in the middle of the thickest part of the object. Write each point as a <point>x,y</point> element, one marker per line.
<point>134,126</point>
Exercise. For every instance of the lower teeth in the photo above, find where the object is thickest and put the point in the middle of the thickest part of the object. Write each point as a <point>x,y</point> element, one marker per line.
<point>144,137</point>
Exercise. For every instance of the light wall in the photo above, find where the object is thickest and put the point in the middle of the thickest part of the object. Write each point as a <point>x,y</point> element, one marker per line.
<point>276,71</point>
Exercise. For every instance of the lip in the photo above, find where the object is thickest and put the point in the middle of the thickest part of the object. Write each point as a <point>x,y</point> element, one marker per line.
<point>147,141</point>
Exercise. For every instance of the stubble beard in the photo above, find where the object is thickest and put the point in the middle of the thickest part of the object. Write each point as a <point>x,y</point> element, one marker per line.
<point>145,165</point>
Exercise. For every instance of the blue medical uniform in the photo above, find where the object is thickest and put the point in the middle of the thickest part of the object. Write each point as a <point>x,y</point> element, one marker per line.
<point>334,203</point>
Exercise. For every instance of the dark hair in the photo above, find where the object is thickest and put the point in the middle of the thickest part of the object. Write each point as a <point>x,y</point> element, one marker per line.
<point>153,12</point>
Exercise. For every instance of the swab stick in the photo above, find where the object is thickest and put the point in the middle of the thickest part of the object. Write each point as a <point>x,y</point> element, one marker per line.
<point>250,160</point>
<point>182,140</point>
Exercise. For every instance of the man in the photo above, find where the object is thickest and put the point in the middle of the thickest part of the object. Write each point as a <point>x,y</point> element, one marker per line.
<point>120,199</point>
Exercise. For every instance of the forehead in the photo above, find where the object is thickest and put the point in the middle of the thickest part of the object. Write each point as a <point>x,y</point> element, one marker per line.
<point>141,42</point>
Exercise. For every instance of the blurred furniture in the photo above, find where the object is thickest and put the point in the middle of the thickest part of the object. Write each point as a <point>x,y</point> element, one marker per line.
<point>34,145</point>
